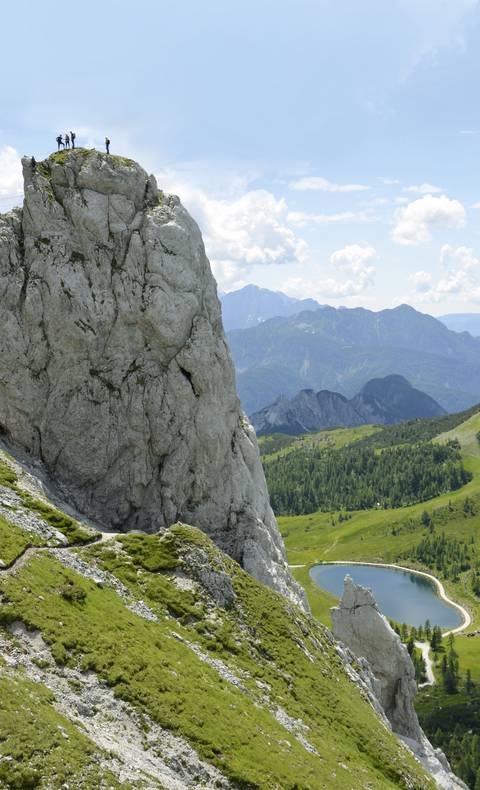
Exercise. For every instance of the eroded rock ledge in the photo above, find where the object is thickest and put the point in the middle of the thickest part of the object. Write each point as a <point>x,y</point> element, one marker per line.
<point>114,369</point>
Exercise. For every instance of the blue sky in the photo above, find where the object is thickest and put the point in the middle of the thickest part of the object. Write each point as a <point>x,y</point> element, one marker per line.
<point>328,148</point>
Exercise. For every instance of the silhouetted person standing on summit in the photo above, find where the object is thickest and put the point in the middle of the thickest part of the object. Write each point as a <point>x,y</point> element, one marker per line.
<point>72,138</point>
<point>60,142</point>
<point>107,144</point>
<point>33,163</point>
<point>67,141</point>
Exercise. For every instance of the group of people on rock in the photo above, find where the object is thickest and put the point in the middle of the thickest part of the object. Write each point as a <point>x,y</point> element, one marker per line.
<point>64,142</point>
<point>69,138</point>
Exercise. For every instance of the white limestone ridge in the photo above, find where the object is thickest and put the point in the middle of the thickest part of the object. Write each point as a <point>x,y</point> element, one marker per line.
<point>359,625</point>
<point>114,369</point>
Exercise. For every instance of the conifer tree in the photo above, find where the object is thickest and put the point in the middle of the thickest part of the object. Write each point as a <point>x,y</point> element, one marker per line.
<point>469,684</point>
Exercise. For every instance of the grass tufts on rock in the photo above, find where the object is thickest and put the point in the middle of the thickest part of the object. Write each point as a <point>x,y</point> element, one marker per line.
<point>71,528</point>
<point>40,748</point>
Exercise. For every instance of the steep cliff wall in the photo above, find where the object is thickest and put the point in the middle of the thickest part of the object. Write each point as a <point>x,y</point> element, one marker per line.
<point>114,369</point>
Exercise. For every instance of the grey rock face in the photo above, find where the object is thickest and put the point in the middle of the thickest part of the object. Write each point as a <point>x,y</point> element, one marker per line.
<point>114,368</point>
<point>358,623</point>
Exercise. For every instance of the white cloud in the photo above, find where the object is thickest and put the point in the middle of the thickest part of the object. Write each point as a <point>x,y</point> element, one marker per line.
<point>355,259</point>
<point>323,185</point>
<point>459,278</point>
<point>230,275</point>
<point>389,181</point>
<point>414,222</point>
<point>11,180</point>
<point>252,229</point>
<point>323,289</point>
<point>458,257</point>
<point>475,205</point>
<point>302,218</point>
<point>241,231</point>
<point>422,189</point>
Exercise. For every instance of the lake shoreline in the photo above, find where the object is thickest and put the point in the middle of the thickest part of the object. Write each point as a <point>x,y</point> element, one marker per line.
<point>467,619</point>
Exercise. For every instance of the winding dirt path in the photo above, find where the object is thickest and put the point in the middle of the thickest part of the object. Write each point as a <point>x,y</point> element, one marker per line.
<point>31,551</point>
<point>332,546</point>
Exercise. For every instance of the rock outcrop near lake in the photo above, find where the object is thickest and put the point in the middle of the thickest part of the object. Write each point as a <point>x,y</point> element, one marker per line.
<point>114,369</point>
<point>358,624</point>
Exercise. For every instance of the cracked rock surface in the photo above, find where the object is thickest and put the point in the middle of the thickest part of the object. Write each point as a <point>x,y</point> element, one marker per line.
<point>114,369</point>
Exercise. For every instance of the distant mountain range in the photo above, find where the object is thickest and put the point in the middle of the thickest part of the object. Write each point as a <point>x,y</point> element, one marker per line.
<point>381,401</point>
<point>340,349</point>
<point>251,305</point>
<point>462,322</point>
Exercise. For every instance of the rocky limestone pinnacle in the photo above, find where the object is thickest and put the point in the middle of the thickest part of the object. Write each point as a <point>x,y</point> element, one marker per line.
<point>359,625</point>
<point>114,369</point>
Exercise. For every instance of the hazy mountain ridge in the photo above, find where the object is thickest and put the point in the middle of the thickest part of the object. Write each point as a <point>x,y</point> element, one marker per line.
<point>462,322</point>
<point>341,349</point>
<point>382,401</point>
<point>251,305</point>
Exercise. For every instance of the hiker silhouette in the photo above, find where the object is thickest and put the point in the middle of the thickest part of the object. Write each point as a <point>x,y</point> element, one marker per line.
<point>72,138</point>
<point>67,141</point>
<point>107,144</point>
<point>60,142</point>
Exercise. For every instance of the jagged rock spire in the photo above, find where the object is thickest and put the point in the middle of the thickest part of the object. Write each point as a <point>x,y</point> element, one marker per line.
<point>358,623</point>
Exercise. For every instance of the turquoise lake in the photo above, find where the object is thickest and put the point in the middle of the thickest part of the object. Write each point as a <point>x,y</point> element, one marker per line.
<point>401,595</point>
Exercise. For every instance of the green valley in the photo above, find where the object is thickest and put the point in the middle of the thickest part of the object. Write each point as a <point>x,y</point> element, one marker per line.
<point>440,536</point>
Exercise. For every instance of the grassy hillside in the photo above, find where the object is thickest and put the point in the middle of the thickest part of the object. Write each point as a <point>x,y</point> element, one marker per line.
<point>163,637</point>
<point>404,536</point>
<point>364,468</point>
<point>391,535</point>
<point>372,435</point>
<point>466,433</point>
<point>279,444</point>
